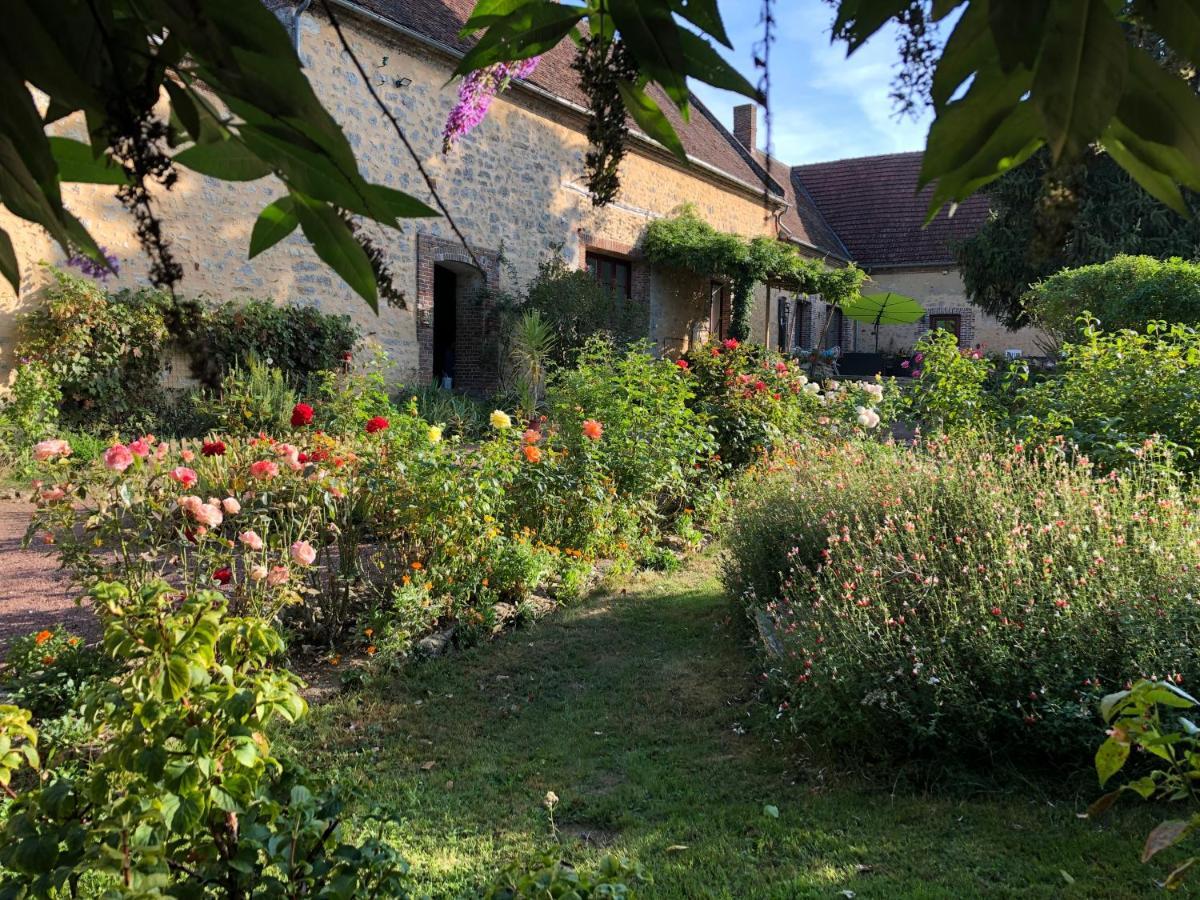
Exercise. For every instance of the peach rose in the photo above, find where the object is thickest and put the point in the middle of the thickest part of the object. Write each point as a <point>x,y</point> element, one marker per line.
<point>303,553</point>
<point>117,458</point>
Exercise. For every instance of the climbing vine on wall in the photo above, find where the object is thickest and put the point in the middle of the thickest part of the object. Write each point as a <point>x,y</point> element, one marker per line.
<point>688,242</point>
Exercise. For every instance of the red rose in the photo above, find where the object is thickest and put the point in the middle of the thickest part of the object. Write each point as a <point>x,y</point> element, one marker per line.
<point>378,423</point>
<point>212,448</point>
<point>302,457</point>
<point>682,363</point>
<point>223,575</point>
<point>302,414</point>
<point>730,344</point>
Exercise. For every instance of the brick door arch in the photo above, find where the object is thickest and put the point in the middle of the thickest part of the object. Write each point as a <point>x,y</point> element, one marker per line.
<point>474,373</point>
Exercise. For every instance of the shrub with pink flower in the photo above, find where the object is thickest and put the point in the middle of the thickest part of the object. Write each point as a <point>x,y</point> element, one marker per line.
<point>51,449</point>
<point>954,602</point>
<point>118,458</point>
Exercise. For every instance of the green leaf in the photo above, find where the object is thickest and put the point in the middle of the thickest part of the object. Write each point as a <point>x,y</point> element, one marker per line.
<point>529,30</point>
<point>1109,704</point>
<point>1017,30</point>
<point>705,15</point>
<point>772,811</point>
<point>194,114</point>
<point>1162,109</point>
<point>9,267</point>
<point>705,64</point>
<point>651,34</point>
<point>335,244</point>
<point>650,118</point>
<point>1080,74</point>
<point>76,163</point>
<point>229,160</point>
<point>398,203</point>
<point>489,12</point>
<point>1177,22</point>
<point>1134,156</point>
<point>857,20</point>
<point>1165,834</point>
<point>179,677</point>
<point>274,223</point>
<point>1110,758</point>
<point>968,49</point>
<point>1175,879</point>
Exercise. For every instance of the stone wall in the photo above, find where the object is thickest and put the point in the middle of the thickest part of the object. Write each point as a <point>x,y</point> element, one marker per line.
<point>514,186</point>
<point>939,291</point>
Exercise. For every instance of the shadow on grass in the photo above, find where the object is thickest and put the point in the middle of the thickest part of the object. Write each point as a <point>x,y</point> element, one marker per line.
<point>638,710</point>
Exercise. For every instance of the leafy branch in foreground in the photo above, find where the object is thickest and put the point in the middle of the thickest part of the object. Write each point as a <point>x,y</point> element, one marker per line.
<point>239,108</point>
<point>1014,76</point>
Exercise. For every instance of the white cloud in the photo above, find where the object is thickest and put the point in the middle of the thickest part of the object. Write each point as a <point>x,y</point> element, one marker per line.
<point>824,105</point>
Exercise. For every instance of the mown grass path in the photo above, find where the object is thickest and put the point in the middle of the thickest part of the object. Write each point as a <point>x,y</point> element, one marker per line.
<point>637,709</point>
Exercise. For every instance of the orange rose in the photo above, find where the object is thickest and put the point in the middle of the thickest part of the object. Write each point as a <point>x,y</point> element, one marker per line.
<point>532,453</point>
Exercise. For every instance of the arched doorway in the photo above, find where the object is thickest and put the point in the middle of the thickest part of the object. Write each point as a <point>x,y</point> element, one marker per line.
<point>452,311</point>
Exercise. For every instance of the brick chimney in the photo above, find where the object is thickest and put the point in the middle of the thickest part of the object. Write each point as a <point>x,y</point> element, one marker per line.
<point>745,125</point>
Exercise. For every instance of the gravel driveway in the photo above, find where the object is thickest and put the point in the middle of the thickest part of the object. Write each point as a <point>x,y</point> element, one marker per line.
<point>34,594</point>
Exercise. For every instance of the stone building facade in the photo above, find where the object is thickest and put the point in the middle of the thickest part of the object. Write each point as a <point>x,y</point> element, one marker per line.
<point>514,186</point>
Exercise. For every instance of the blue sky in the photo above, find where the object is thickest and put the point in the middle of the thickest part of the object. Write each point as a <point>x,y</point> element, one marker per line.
<point>824,106</point>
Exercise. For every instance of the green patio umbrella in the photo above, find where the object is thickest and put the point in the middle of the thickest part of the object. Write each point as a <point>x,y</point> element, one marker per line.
<point>884,309</point>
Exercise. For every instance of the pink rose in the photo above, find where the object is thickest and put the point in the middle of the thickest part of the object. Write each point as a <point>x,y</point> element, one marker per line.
<point>231,506</point>
<point>52,495</point>
<point>183,475</point>
<point>187,455</point>
<point>45,450</point>
<point>161,451</point>
<point>264,469</point>
<point>140,448</point>
<point>258,573</point>
<point>117,458</point>
<point>209,515</point>
<point>303,553</point>
<point>251,540</point>
<point>279,575</point>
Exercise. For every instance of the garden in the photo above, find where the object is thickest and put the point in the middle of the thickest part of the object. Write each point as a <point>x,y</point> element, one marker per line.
<point>642,625</point>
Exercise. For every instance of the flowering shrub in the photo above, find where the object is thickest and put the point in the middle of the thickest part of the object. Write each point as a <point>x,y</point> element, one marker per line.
<point>756,400</point>
<point>949,386</point>
<point>45,672</point>
<point>958,603</point>
<point>627,441</point>
<point>1111,392</point>
<point>179,789</point>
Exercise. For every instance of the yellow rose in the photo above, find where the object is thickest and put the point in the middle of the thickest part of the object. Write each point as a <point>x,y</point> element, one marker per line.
<point>435,434</point>
<point>500,420</point>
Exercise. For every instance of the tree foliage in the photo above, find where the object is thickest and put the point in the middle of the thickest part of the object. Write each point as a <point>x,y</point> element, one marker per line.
<point>1112,215</point>
<point>1018,75</point>
<point>1125,292</point>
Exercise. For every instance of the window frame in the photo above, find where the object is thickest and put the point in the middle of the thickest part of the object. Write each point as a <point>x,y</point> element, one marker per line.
<point>595,260</point>
<point>936,318</point>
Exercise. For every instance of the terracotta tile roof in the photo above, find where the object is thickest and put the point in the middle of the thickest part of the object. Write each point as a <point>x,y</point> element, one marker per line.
<point>704,138</point>
<point>802,221</point>
<point>872,204</point>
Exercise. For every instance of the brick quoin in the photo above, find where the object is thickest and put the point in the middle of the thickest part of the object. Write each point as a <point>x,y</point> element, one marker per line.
<point>472,372</point>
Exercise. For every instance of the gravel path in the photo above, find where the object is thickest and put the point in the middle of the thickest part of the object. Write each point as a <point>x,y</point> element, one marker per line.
<point>34,594</point>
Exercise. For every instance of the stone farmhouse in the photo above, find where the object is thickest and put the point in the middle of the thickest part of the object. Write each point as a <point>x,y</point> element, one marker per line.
<point>515,186</point>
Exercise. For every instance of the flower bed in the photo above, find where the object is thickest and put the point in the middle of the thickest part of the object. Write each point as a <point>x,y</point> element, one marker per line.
<point>956,604</point>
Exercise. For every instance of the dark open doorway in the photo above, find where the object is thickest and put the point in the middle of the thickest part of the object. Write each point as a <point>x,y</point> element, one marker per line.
<point>445,323</point>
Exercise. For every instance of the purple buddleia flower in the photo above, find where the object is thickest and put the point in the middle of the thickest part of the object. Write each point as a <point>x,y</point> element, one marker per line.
<point>475,95</point>
<point>93,269</point>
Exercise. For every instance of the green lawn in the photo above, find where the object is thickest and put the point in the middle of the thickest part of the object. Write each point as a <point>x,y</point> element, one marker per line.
<point>638,710</point>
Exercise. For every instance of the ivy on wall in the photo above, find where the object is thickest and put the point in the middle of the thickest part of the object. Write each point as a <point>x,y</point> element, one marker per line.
<point>686,241</point>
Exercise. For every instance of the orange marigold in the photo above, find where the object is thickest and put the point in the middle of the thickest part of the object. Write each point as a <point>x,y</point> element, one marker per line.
<point>43,636</point>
